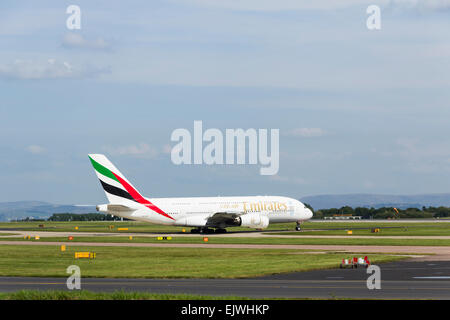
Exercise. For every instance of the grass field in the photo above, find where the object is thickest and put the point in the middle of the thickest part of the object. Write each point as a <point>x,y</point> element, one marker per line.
<point>243,240</point>
<point>309,227</point>
<point>122,295</point>
<point>119,295</point>
<point>89,226</point>
<point>386,229</point>
<point>417,229</point>
<point>119,262</point>
<point>166,262</point>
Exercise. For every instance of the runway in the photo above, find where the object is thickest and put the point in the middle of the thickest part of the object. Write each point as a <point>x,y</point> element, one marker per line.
<point>399,280</point>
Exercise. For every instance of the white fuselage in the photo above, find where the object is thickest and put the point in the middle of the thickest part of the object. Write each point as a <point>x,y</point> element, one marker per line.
<point>194,212</point>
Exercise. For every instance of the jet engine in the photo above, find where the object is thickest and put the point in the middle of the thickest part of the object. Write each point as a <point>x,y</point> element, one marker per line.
<point>254,220</point>
<point>197,221</point>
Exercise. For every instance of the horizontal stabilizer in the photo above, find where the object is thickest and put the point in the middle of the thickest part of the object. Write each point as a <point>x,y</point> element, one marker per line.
<point>108,208</point>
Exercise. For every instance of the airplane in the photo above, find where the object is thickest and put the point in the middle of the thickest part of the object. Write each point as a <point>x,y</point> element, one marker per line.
<point>203,214</point>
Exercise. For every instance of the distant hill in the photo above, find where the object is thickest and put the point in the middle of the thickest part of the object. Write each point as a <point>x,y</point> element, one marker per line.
<point>37,209</point>
<point>377,200</point>
<point>43,210</point>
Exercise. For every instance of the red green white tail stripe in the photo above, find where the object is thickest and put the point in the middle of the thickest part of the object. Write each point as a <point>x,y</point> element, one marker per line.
<point>117,188</point>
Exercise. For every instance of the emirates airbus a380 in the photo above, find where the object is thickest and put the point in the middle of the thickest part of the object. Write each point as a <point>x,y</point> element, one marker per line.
<point>201,213</point>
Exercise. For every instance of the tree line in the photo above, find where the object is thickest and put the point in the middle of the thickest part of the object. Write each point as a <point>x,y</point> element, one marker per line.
<point>365,213</point>
<point>83,217</point>
<point>384,212</point>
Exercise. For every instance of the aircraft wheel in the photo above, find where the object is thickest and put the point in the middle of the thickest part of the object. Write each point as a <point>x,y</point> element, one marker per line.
<point>206,230</point>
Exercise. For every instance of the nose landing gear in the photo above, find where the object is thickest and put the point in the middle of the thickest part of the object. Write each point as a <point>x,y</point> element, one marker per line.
<point>298,227</point>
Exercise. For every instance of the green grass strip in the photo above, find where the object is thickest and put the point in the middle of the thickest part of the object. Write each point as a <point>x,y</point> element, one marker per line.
<point>141,262</point>
<point>255,241</point>
<point>117,295</point>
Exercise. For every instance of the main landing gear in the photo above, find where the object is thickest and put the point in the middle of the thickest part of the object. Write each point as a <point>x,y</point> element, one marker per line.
<point>298,227</point>
<point>207,230</point>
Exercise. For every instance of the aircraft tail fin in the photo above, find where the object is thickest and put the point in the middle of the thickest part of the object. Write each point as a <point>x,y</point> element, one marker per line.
<point>117,188</point>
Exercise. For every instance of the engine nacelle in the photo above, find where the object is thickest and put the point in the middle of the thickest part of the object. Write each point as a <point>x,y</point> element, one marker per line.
<point>195,221</point>
<point>254,220</point>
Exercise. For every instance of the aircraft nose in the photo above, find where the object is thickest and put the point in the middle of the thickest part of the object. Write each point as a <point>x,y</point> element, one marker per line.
<point>309,213</point>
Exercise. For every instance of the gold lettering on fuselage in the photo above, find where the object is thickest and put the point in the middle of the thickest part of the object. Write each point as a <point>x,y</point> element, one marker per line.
<point>272,206</point>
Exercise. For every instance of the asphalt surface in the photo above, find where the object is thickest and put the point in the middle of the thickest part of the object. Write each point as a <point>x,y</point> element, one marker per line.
<point>399,280</point>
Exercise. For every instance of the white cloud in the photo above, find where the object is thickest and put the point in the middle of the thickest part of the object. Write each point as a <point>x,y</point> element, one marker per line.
<point>280,5</point>
<point>283,179</point>
<point>140,150</point>
<point>367,184</point>
<point>25,20</point>
<point>50,69</point>
<point>306,132</point>
<point>421,4</point>
<point>35,149</point>
<point>422,157</point>
<point>284,5</point>
<point>76,40</point>
<point>167,149</point>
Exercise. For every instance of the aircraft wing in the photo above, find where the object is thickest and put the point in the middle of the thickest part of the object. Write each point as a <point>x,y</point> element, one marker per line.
<point>220,219</point>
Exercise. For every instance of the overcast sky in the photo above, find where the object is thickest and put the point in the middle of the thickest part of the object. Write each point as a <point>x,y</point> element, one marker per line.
<point>359,111</point>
